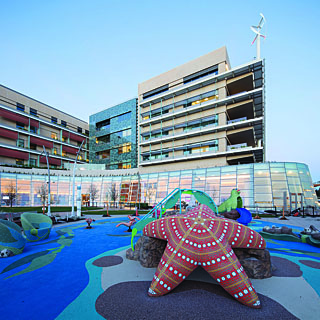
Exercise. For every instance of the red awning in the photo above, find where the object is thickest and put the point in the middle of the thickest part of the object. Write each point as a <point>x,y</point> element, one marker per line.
<point>69,149</point>
<point>76,137</point>
<point>14,116</point>
<point>41,142</point>
<point>53,161</point>
<point>14,154</point>
<point>34,123</point>
<point>8,134</point>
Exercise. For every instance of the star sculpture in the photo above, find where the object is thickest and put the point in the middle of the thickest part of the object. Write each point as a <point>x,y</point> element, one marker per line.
<point>199,238</point>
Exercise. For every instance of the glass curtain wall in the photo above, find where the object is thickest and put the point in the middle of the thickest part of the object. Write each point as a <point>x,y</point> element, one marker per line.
<point>262,185</point>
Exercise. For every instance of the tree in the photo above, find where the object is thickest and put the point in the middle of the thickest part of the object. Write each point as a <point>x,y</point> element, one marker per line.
<point>93,190</point>
<point>112,193</point>
<point>43,194</point>
<point>139,190</point>
<point>149,191</point>
<point>10,195</point>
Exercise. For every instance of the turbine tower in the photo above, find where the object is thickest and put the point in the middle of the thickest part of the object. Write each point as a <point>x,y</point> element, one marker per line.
<point>257,31</point>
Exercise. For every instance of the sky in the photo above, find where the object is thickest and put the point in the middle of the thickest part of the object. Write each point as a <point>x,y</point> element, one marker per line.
<point>84,56</point>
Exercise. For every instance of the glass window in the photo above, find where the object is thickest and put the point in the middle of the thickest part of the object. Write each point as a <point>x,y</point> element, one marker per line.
<point>55,151</point>
<point>33,112</point>
<point>20,106</point>
<point>33,129</point>
<point>54,120</point>
<point>33,146</point>
<point>103,155</point>
<point>126,166</point>
<point>20,143</point>
<point>124,117</point>
<point>63,123</point>
<point>20,125</point>
<point>103,125</point>
<point>261,173</point>
<point>19,162</point>
<point>32,162</point>
<point>262,189</point>
<point>262,181</point>
<point>64,154</point>
<point>54,136</point>
<point>79,130</point>
<point>124,148</point>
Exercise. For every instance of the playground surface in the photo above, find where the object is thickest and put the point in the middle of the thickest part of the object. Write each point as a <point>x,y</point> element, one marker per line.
<point>80,273</point>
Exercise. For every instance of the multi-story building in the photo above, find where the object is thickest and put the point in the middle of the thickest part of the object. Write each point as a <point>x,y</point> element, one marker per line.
<point>199,126</point>
<point>26,125</point>
<point>202,114</point>
<point>113,136</point>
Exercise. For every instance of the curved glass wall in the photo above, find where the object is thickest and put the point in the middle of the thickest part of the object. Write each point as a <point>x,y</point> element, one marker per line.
<point>262,185</point>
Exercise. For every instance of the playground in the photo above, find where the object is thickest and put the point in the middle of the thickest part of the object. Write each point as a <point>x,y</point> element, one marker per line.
<point>80,273</point>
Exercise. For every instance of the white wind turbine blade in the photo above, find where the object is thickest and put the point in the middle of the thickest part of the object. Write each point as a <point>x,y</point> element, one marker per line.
<point>255,30</point>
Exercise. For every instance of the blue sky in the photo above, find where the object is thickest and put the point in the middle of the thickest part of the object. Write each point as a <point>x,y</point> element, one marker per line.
<point>83,56</point>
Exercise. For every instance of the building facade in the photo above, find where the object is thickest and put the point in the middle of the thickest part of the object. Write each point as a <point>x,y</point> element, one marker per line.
<point>113,136</point>
<point>262,185</point>
<point>26,125</point>
<point>202,114</point>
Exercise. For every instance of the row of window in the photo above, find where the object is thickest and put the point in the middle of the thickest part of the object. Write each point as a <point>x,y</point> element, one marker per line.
<point>21,107</point>
<point>123,148</point>
<point>187,126</point>
<point>21,144</point>
<point>119,134</point>
<point>54,120</point>
<point>212,95</point>
<point>203,73</point>
<point>187,150</point>
<point>54,135</point>
<point>105,124</point>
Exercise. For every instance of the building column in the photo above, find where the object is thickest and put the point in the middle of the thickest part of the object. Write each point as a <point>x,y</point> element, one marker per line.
<point>222,147</point>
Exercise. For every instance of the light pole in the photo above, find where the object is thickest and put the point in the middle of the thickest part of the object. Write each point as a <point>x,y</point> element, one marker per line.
<point>49,194</point>
<point>73,179</point>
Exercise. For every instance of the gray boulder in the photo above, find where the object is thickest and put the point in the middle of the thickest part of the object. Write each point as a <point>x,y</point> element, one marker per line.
<point>148,251</point>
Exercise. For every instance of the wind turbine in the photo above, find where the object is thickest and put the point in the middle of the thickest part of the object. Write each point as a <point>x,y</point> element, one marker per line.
<point>257,31</point>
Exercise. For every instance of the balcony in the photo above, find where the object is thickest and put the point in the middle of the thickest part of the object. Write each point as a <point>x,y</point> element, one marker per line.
<point>237,146</point>
<point>237,120</point>
<point>212,78</point>
<point>202,106</point>
<point>202,131</point>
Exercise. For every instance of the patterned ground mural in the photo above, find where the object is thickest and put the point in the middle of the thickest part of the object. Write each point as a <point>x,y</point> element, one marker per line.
<point>69,276</point>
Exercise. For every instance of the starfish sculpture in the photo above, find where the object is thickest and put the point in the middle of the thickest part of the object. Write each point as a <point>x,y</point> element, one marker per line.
<point>199,238</point>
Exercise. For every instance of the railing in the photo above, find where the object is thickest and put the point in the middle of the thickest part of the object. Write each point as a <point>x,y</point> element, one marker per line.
<point>237,120</point>
<point>237,146</point>
<point>188,156</point>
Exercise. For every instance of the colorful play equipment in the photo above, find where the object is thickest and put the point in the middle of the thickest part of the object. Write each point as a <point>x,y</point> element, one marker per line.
<point>36,226</point>
<point>245,216</point>
<point>169,202</point>
<point>232,203</point>
<point>309,235</point>
<point>200,238</point>
<point>11,237</point>
<point>132,221</point>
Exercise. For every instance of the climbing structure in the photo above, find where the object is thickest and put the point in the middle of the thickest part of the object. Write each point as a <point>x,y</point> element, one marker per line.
<point>169,202</point>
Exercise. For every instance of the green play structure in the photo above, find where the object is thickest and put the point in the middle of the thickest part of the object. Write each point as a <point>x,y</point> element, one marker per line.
<point>167,203</point>
<point>11,237</point>
<point>36,226</point>
<point>232,203</point>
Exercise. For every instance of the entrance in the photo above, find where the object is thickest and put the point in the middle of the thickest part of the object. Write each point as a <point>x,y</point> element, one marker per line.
<point>85,199</point>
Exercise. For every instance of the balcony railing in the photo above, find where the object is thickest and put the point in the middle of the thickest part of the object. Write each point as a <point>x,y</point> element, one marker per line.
<point>237,146</point>
<point>237,120</point>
